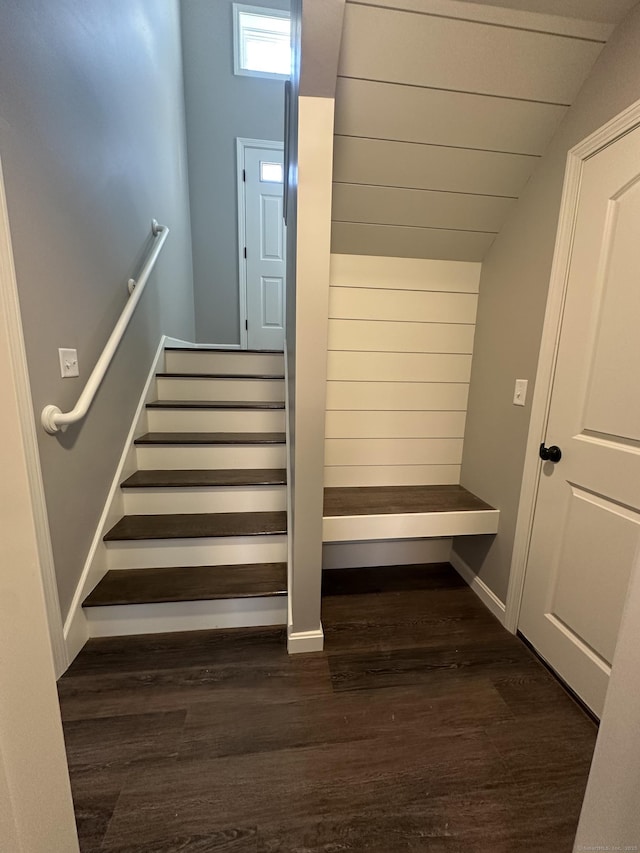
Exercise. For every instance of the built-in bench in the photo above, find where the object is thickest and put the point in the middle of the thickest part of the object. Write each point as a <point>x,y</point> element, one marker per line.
<point>404,512</point>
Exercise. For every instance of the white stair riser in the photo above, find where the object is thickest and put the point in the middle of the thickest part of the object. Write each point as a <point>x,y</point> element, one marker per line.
<point>211,456</point>
<point>118,621</point>
<point>214,420</point>
<point>187,388</point>
<point>200,361</point>
<point>214,551</point>
<point>214,499</point>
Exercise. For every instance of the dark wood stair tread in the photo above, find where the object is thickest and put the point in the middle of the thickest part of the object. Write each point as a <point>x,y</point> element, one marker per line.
<point>385,500</point>
<point>197,525</point>
<point>201,478</point>
<point>205,348</point>
<point>212,438</point>
<point>216,404</point>
<point>219,376</point>
<point>190,583</point>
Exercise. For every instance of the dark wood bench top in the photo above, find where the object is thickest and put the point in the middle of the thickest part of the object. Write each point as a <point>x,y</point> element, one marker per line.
<point>390,500</point>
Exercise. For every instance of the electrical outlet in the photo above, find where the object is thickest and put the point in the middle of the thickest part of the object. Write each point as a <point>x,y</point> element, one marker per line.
<point>68,363</point>
<point>520,393</point>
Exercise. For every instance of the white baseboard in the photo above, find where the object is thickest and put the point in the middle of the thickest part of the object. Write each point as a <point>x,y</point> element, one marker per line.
<point>178,342</point>
<point>76,631</point>
<point>389,552</point>
<point>303,642</point>
<point>218,346</point>
<point>486,596</point>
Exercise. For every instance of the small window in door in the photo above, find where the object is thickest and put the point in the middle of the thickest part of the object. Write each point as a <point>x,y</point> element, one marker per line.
<point>271,172</point>
<point>261,41</point>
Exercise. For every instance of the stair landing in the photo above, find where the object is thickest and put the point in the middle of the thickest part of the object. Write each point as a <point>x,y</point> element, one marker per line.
<point>404,512</point>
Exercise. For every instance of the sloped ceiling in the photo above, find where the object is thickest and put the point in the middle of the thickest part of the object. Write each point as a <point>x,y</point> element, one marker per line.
<point>443,109</point>
<point>605,11</point>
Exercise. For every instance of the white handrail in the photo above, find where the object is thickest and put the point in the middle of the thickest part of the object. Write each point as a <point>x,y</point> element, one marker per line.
<point>52,417</point>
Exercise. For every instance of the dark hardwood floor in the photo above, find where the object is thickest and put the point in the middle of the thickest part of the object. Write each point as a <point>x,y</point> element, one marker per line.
<point>424,726</point>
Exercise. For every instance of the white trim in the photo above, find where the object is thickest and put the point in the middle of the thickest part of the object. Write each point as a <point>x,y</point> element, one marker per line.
<point>412,525</point>
<point>265,12</point>
<point>486,596</point>
<point>287,439</point>
<point>302,642</point>
<point>214,346</point>
<point>76,631</point>
<point>165,617</point>
<point>242,143</point>
<point>176,342</point>
<point>617,127</point>
<point>125,554</point>
<point>11,309</point>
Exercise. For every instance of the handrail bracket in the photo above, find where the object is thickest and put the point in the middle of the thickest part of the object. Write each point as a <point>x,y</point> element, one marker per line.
<point>52,418</point>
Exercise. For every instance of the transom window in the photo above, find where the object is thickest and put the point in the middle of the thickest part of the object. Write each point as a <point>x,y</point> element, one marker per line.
<point>271,172</point>
<point>261,41</point>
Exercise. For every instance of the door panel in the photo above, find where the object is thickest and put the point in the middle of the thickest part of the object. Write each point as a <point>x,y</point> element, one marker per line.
<point>271,244</point>
<point>272,302</point>
<point>265,248</point>
<point>586,523</point>
<point>612,407</point>
<point>587,597</point>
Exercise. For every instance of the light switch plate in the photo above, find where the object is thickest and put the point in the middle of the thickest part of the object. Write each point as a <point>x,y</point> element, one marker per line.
<point>520,393</point>
<point>68,363</point>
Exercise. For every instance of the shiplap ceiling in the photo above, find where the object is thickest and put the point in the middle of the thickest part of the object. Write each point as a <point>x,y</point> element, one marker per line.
<point>443,109</point>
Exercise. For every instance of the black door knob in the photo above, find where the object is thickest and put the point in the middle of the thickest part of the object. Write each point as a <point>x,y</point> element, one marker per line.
<point>550,454</point>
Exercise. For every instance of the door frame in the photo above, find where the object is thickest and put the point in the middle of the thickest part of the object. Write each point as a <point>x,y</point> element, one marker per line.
<point>10,305</point>
<point>242,144</point>
<point>618,126</point>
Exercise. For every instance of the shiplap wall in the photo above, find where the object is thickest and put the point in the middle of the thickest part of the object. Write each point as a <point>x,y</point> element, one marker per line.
<point>443,110</point>
<point>400,342</point>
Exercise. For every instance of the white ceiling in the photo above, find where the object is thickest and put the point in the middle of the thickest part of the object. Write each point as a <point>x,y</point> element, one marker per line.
<point>443,109</point>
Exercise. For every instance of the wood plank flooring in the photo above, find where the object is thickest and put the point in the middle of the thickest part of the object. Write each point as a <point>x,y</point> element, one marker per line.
<point>375,500</point>
<point>211,438</point>
<point>234,376</point>
<point>424,726</point>
<point>215,404</point>
<point>197,525</point>
<point>189,583</point>
<point>201,477</point>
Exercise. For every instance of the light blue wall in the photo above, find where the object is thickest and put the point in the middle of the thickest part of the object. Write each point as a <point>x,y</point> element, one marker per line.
<point>220,107</point>
<point>92,146</point>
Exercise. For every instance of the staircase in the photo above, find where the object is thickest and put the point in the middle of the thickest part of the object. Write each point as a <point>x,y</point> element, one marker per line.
<point>203,543</point>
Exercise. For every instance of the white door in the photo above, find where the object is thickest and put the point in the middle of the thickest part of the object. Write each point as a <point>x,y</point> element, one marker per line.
<point>587,517</point>
<point>265,253</point>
